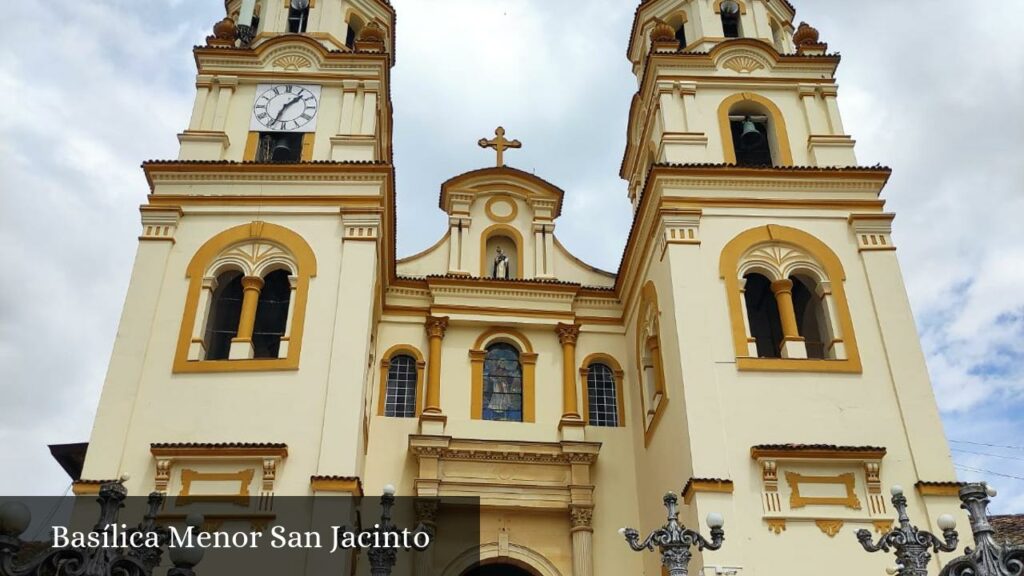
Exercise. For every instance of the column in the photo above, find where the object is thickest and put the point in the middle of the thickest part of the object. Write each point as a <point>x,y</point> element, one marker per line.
<point>426,516</point>
<point>835,349</point>
<point>812,111</point>
<point>241,344</point>
<point>432,419</point>
<point>571,424</point>
<point>792,344</point>
<point>458,226</point>
<point>199,108</point>
<point>582,540</point>
<point>197,347</point>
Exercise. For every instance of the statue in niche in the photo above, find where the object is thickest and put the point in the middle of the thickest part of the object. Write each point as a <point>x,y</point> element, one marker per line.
<point>501,267</point>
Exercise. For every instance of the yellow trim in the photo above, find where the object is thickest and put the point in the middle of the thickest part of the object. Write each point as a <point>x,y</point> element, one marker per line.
<point>939,489</point>
<point>848,481</point>
<point>778,127</point>
<point>620,375</point>
<point>489,208</point>
<point>728,267</point>
<point>252,141</point>
<point>188,476</point>
<point>307,146</point>
<point>527,360</point>
<point>85,487</point>
<point>335,484</point>
<point>649,297</point>
<point>306,263</point>
<point>385,363</point>
<point>837,453</point>
<point>506,230</point>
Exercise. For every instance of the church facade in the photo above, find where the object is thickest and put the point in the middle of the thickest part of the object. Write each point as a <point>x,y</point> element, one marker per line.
<point>754,352</point>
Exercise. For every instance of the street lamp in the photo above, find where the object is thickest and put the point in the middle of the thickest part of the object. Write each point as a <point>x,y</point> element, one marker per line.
<point>130,560</point>
<point>383,558</point>
<point>675,540</point>
<point>987,558</point>
<point>911,545</point>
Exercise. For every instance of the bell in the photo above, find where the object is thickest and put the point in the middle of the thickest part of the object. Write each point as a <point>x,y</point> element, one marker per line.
<point>281,153</point>
<point>751,136</point>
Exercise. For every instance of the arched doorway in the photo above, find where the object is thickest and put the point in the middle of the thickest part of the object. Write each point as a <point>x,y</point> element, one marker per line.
<point>497,570</point>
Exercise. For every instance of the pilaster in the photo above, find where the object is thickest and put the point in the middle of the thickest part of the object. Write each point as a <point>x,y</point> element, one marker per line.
<point>341,443</point>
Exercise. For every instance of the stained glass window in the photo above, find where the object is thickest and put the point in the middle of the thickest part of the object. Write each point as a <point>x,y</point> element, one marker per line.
<point>503,384</point>
<point>601,396</point>
<point>400,400</point>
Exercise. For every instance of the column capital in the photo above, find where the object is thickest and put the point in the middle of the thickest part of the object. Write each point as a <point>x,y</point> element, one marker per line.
<point>436,326</point>
<point>567,333</point>
<point>252,283</point>
<point>784,286</point>
<point>581,517</point>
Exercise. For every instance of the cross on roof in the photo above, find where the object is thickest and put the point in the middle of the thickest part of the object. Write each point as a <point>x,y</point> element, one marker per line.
<point>499,143</point>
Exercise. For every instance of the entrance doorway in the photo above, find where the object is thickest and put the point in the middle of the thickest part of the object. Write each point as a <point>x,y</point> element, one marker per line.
<point>497,570</point>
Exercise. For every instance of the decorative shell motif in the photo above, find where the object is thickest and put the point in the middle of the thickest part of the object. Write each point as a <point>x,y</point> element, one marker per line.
<point>292,62</point>
<point>805,34</point>
<point>743,64</point>
<point>780,258</point>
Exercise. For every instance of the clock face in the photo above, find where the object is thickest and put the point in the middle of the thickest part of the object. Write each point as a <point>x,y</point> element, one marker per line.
<point>285,108</point>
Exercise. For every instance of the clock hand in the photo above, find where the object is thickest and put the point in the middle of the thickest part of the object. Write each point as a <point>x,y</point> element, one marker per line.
<point>285,107</point>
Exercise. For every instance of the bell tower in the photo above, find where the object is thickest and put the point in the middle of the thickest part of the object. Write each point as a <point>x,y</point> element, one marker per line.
<point>774,339</point>
<point>248,327</point>
<point>731,81</point>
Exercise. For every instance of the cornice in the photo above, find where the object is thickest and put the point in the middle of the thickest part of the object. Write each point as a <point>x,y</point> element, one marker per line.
<point>472,182</point>
<point>816,452</point>
<point>507,451</point>
<point>219,449</point>
<point>159,171</point>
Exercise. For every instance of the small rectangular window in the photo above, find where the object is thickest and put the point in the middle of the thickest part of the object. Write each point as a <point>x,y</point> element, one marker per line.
<point>279,147</point>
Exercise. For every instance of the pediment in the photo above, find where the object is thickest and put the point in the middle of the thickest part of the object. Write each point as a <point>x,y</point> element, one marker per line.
<point>470,186</point>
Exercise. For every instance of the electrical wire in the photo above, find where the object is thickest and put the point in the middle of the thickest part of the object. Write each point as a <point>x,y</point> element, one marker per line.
<point>982,471</point>
<point>988,445</point>
<point>988,454</point>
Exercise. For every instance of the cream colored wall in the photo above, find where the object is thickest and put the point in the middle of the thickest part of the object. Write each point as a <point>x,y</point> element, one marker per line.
<point>144,402</point>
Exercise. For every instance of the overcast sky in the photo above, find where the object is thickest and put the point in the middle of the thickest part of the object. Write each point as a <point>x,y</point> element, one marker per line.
<point>90,88</point>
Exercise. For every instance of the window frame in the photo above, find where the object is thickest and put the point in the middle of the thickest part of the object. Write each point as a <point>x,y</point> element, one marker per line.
<point>617,373</point>
<point>731,270</point>
<point>211,258</point>
<point>385,365</point>
<point>527,360</point>
<point>778,132</point>
<point>649,337</point>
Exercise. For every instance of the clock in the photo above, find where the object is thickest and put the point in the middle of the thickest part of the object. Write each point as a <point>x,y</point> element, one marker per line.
<point>285,108</point>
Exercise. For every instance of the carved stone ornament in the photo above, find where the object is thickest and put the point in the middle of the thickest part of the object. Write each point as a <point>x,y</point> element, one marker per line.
<point>372,32</point>
<point>662,32</point>
<point>292,62</point>
<point>581,516</point>
<point>743,64</point>
<point>805,34</point>
<point>567,333</point>
<point>225,29</point>
<point>436,326</point>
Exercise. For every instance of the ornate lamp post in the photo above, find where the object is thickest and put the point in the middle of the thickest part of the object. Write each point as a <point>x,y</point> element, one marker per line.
<point>988,558</point>
<point>129,560</point>
<point>912,545</point>
<point>675,540</point>
<point>383,558</point>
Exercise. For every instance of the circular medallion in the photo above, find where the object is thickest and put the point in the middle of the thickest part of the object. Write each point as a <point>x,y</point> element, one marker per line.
<point>501,209</point>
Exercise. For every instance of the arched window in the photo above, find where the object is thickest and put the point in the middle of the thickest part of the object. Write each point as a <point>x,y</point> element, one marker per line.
<point>651,367</point>
<point>811,316</point>
<point>751,139</point>
<point>298,16</point>
<point>731,27</point>
<point>778,36</point>
<point>400,399</point>
<point>225,311</point>
<point>787,303</point>
<point>245,307</point>
<point>763,316</point>
<point>355,25</point>
<point>271,314</point>
<point>503,384</point>
<point>602,396</point>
